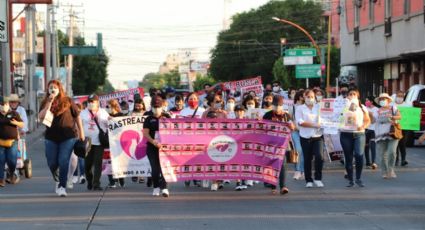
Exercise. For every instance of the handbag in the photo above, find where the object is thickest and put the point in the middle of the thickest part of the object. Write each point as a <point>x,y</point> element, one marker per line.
<point>103,136</point>
<point>291,154</point>
<point>82,148</point>
<point>395,129</point>
<point>6,143</point>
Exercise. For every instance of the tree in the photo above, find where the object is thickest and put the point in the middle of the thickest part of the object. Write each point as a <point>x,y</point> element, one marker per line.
<point>201,81</point>
<point>159,81</point>
<point>252,44</point>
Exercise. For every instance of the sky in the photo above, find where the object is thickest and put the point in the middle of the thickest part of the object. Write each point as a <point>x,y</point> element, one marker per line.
<point>139,34</point>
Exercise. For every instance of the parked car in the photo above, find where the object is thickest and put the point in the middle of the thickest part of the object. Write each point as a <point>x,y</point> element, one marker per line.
<point>415,97</point>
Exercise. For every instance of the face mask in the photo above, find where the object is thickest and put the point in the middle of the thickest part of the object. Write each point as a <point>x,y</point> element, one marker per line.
<point>90,106</point>
<point>250,107</point>
<point>192,104</point>
<point>109,110</point>
<point>217,106</point>
<point>4,108</point>
<point>319,98</point>
<point>292,96</point>
<point>383,103</point>
<point>267,103</point>
<point>279,108</point>
<point>137,110</point>
<point>368,103</point>
<point>309,101</point>
<point>231,106</point>
<point>276,88</point>
<point>206,104</point>
<point>157,111</point>
<point>54,91</point>
<point>125,111</point>
<point>131,106</point>
<point>165,108</point>
<point>399,100</point>
<point>355,101</point>
<point>344,93</point>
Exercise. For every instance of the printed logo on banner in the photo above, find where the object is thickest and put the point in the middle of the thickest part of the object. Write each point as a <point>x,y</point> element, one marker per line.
<point>222,148</point>
<point>131,143</point>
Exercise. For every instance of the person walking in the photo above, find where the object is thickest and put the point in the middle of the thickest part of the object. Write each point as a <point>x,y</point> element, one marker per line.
<point>61,116</point>
<point>150,129</point>
<point>401,147</point>
<point>352,135</point>
<point>370,144</point>
<point>10,121</point>
<point>94,118</point>
<point>386,145</point>
<point>311,137</point>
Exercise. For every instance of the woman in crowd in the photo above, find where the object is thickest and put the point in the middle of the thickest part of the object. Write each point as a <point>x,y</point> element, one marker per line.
<point>386,145</point>
<point>193,110</point>
<point>93,118</point>
<point>278,114</point>
<point>319,95</point>
<point>10,122</point>
<point>267,102</point>
<point>370,135</point>
<point>75,163</point>
<point>114,110</point>
<point>295,135</point>
<point>179,106</point>
<point>61,118</point>
<point>240,114</point>
<point>352,135</point>
<point>401,148</point>
<point>150,129</point>
<point>311,137</point>
<point>230,108</point>
<point>252,108</point>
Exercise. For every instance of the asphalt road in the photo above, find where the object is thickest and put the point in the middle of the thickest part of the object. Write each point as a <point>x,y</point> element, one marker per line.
<point>382,204</point>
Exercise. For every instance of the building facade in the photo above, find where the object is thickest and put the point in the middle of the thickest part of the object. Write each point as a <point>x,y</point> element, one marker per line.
<point>385,40</point>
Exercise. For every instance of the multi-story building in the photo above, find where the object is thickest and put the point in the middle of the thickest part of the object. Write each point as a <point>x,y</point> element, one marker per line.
<point>385,40</point>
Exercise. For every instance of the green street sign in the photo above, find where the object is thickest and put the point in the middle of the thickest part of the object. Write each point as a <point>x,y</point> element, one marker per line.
<point>300,53</point>
<point>308,71</point>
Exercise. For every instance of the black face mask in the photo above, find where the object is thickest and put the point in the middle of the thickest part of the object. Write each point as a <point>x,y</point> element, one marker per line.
<point>344,93</point>
<point>267,103</point>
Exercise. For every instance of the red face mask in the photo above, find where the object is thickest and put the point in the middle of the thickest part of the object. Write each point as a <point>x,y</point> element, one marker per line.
<point>192,103</point>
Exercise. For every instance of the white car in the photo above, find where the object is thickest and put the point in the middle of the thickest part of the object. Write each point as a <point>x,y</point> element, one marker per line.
<point>415,97</point>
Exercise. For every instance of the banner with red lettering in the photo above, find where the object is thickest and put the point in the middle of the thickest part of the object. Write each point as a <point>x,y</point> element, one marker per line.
<point>124,95</point>
<point>213,149</point>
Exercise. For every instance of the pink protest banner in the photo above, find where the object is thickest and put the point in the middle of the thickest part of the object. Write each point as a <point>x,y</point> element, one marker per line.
<point>243,84</point>
<point>124,95</point>
<point>211,149</point>
<point>80,99</point>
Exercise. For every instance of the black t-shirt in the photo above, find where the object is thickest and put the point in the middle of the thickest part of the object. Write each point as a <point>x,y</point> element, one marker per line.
<point>152,123</point>
<point>64,125</point>
<point>271,115</point>
<point>9,131</point>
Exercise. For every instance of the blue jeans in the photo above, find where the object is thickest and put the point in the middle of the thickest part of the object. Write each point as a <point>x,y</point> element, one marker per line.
<point>80,167</point>
<point>353,146</point>
<point>297,144</point>
<point>388,150</point>
<point>58,155</point>
<point>9,156</point>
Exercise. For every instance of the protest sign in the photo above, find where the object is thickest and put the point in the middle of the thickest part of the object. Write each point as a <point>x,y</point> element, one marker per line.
<point>210,149</point>
<point>329,116</point>
<point>333,147</point>
<point>124,95</point>
<point>410,118</point>
<point>246,83</point>
<point>128,147</point>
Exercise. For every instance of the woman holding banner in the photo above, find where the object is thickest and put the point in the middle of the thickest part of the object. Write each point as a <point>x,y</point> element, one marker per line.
<point>355,121</point>
<point>295,135</point>
<point>311,136</point>
<point>386,116</point>
<point>280,115</point>
<point>150,129</point>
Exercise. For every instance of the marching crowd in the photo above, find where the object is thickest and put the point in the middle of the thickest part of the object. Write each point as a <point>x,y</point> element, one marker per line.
<point>68,123</point>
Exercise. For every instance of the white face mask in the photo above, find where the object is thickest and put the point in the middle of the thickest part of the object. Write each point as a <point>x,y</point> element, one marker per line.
<point>292,96</point>
<point>250,107</point>
<point>54,91</point>
<point>309,101</point>
<point>125,111</point>
<point>383,103</point>
<point>90,106</point>
<point>131,106</point>
<point>108,110</point>
<point>279,108</point>
<point>157,111</point>
<point>355,101</point>
<point>399,100</point>
<point>4,108</point>
<point>217,106</point>
<point>230,106</point>
<point>276,88</point>
<point>319,98</point>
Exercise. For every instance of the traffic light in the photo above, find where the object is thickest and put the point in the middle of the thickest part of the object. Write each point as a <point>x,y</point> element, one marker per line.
<point>282,46</point>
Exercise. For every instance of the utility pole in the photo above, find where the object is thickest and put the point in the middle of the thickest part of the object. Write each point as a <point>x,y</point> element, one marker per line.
<point>30,61</point>
<point>54,46</point>
<point>5,48</point>
<point>48,47</point>
<point>70,57</point>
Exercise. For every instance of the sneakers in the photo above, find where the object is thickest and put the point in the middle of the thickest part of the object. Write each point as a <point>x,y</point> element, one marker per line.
<point>141,180</point>
<point>297,175</point>
<point>350,184</point>
<point>241,187</point>
<point>12,178</point>
<point>70,184</point>
<point>284,191</point>
<point>226,181</point>
<point>61,192</point>
<point>2,182</point>
<point>112,185</point>
<point>56,187</point>
<point>156,192</point>
<point>214,187</point>
<point>205,184</point>
<point>319,183</point>
<point>374,166</point>
<point>309,185</point>
<point>187,183</point>
<point>74,180</point>
<point>121,182</point>
<point>392,174</point>
<point>359,183</point>
<point>404,163</point>
<point>165,193</point>
<point>82,179</point>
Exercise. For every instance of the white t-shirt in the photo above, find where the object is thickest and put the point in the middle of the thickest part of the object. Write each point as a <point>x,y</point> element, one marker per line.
<point>383,123</point>
<point>372,110</point>
<point>188,112</point>
<point>304,114</point>
<point>90,127</point>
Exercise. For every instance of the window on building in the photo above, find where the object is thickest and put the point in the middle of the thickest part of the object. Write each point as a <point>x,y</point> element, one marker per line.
<point>371,12</point>
<point>356,22</point>
<point>388,9</point>
<point>406,7</point>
